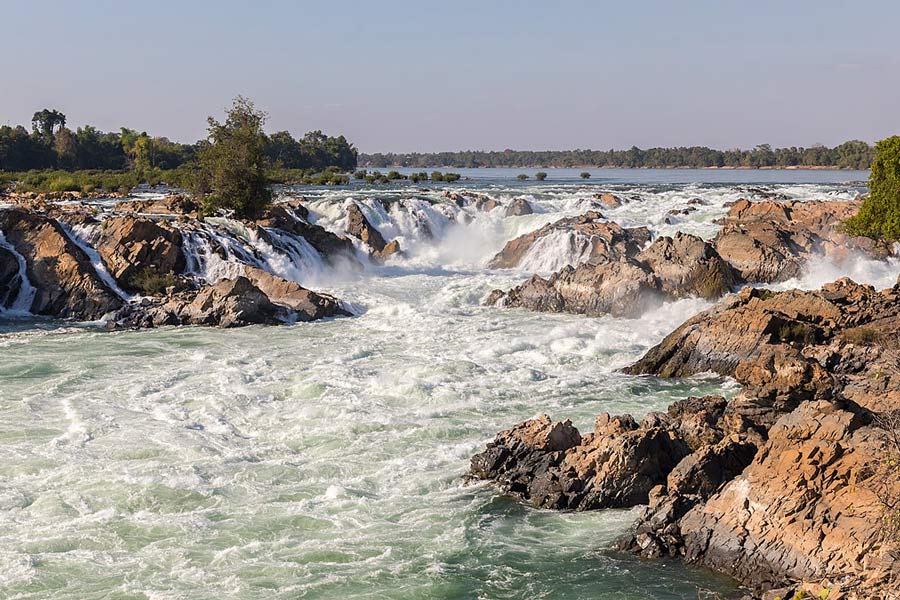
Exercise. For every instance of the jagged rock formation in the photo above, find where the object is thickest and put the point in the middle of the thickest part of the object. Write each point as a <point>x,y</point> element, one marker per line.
<point>770,241</point>
<point>66,283</point>
<point>359,227</point>
<point>776,487</point>
<point>670,268</point>
<point>291,216</point>
<point>609,241</point>
<point>147,256</point>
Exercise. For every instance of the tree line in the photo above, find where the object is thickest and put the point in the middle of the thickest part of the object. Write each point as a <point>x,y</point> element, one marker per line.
<point>854,154</point>
<point>51,145</point>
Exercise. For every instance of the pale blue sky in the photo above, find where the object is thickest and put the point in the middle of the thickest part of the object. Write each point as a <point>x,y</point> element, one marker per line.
<point>407,75</point>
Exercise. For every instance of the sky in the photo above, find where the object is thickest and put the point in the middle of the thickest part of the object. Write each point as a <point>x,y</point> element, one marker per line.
<point>453,75</point>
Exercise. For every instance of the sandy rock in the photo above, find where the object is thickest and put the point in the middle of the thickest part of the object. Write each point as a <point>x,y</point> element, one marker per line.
<point>131,246</point>
<point>306,304</point>
<point>609,200</point>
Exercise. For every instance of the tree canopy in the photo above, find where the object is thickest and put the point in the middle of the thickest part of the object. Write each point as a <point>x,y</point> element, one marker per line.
<point>879,215</point>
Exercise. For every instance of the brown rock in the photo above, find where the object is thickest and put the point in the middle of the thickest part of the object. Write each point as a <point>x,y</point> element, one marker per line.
<point>688,266</point>
<point>518,207</point>
<point>131,246</point>
<point>306,304</point>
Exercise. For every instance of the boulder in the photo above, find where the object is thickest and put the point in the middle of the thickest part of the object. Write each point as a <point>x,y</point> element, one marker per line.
<point>609,241</point>
<point>291,216</point>
<point>306,304</point>
<point>688,266</point>
<point>609,200</point>
<point>551,465</point>
<point>625,288</point>
<point>359,227</point>
<point>518,207</point>
<point>132,247</point>
<point>66,283</point>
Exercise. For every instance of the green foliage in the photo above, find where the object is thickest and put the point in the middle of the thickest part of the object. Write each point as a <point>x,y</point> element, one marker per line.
<point>522,177</point>
<point>150,283</point>
<point>849,155</point>
<point>315,151</point>
<point>879,215</point>
<point>585,175</point>
<point>233,167</point>
<point>361,174</point>
<point>540,176</point>
<point>394,175</point>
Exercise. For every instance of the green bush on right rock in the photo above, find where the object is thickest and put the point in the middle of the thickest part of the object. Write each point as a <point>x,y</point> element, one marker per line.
<point>879,215</point>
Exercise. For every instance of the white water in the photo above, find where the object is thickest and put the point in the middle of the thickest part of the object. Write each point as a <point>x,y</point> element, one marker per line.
<point>325,460</point>
<point>84,236</point>
<point>25,296</point>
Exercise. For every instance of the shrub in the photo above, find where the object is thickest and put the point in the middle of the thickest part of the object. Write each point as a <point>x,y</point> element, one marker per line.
<point>437,176</point>
<point>585,175</point>
<point>361,174</point>
<point>540,176</point>
<point>879,215</point>
<point>522,177</point>
<point>394,175</point>
<point>63,183</point>
<point>451,177</point>
<point>151,283</point>
<point>861,336</point>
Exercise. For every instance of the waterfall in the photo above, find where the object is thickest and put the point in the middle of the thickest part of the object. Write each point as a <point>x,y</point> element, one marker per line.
<point>557,249</point>
<point>79,235</point>
<point>220,248</point>
<point>25,296</point>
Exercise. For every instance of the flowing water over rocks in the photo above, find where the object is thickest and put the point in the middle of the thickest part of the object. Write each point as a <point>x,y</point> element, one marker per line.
<point>327,459</point>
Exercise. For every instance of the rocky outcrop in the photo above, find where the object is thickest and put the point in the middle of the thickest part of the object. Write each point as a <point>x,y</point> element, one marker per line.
<point>791,346</point>
<point>226,303</point>
<point>481,202</point>
<point>132,247</point>
<point>304,304</point>
<point>359,227</point>
<point>669,269</point>
<point>66,283</point>
<point>609,200</point>
<point>518,207</point>
<point>770,241</point>
<point>609,241</point>
<point>291,216</point>
<point>552,466</point>
<point>783,487</point>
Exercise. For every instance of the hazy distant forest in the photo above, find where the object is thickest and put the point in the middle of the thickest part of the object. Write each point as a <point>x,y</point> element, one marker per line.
<point>849,155</point>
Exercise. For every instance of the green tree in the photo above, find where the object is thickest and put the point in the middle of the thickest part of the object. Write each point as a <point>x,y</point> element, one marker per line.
<point>44,122</point>
<point>879,215</point>
<point>522,177</point>
<point>585,175</point>
<point>540,176</point>
<point>232,167</point>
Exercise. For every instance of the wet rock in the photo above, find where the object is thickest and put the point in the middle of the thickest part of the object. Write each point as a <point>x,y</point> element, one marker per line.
<point>66,283</point>
<point>623,289</point>
<point>518,207</point>
<point>609,200</point>
<point>359,227</point>
<point>291,216</point>
<point>305,304</point>
<point>608,241</point>
<point>10,281</point>
<point>551,466</point>
<point>481,202</point>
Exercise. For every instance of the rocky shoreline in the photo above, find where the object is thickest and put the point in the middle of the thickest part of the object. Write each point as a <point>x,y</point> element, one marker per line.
<point>778,487</point>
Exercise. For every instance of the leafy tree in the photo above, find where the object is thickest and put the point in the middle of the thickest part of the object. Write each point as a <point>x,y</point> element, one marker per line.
<point>879,215</point>
<point>44,122</point>
<point>232,168</point>
<point>585,175</point>
<point>540,176</point>
<point>522,177</point>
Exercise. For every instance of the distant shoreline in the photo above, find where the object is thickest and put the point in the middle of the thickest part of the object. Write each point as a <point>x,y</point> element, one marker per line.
<point>787,168</point>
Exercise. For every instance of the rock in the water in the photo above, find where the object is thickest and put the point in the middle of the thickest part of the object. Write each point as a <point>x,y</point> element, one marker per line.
<point>291,216</point>
<point>66,283</point>
<point>770,241</point>
<point>306,304</point>
<point>359,227</point>
<point>609,241</point>
<point>132,247</point>
<point>551,466</point>
<point>518,207</point>
<point>688,266</point>
<point>625,288</point>
<point>609,200</point>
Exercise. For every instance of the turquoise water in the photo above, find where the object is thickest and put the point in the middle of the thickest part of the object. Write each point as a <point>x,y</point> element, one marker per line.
<point>327,460</point>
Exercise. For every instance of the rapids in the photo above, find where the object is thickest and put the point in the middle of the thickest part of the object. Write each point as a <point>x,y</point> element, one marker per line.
<point>326,459</point>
